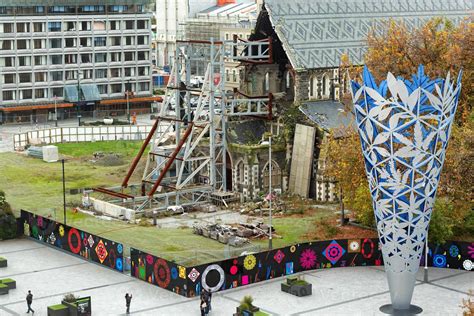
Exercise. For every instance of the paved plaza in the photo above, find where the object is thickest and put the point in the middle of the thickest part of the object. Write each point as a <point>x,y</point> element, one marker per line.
<point>50,273</point>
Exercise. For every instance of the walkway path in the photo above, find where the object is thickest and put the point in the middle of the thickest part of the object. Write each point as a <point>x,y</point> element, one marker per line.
<point>50,274</point>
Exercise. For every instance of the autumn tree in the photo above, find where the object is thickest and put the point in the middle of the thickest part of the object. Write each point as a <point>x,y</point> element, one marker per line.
<point>441,47</point>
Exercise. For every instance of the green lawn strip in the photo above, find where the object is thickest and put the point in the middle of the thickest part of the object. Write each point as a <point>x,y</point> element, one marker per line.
<point>57,307</point>
<point>125,148</point>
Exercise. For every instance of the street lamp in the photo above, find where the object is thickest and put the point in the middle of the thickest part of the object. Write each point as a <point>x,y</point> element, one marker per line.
<point>270,245</point>
<point>127,94</point>
<point>64,192</point>
<point>55,111</point>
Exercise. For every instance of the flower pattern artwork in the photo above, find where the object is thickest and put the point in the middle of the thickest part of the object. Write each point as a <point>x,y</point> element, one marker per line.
<point>404,128</point>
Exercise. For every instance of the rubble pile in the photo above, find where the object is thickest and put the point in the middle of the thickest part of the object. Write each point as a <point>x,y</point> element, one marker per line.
<point>263,208</point>
<point>236,235</point>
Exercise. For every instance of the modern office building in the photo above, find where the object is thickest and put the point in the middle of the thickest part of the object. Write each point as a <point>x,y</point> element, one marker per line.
<point>52,52</point>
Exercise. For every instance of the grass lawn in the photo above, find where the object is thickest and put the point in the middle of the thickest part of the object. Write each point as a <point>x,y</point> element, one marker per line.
<point>36,186</point>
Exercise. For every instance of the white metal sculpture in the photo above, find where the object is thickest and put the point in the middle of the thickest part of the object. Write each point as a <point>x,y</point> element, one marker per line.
<point>404,127</point>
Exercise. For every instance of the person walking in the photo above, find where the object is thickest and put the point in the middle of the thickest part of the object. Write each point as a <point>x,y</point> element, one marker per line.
<point>203,307</point>
<point>128,300</point>
<point>29,301</point>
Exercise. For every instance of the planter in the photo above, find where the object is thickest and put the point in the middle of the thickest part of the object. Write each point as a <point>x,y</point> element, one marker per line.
<point>72,307</point>
<point>3,289</point>
<point>58,310</point>
<point>244,312</point>
<point>296,287</point>
<point>108,121</point>
<point>3,262</point>
<point>10,283</point>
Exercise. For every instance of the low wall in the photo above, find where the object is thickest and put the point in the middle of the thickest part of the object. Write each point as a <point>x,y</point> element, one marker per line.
<point>80,134</point>
<point>91,247</point>
<point>112,210</point>
<point>266,265</point>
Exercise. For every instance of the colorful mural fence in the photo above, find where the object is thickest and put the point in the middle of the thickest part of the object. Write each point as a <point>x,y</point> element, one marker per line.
<point>158,271</point>
<point>257,267</point>
<point>91,247</point>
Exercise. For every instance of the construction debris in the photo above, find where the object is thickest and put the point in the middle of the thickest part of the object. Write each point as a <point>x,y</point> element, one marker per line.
<point>235,236</point>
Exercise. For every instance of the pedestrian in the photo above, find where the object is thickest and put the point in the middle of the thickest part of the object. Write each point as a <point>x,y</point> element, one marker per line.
<point>29,301</point>
<point>203,307</point>
<point>209,298</point>
<point>128,300</point>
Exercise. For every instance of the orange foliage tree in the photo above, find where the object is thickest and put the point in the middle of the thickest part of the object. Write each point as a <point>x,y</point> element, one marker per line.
<point>441,47</point>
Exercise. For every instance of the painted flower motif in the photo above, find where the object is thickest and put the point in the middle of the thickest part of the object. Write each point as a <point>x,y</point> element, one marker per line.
<point>40,221</point>
<point>454,251</point>
<point>119,248</point>
<point>149,259</point>
<point>61,230</point>
<point>279,256</point>
<point>249,262</point>
<point>308,259</point>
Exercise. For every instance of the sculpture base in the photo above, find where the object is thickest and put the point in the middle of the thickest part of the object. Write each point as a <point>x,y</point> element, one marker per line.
<point>412,310</point>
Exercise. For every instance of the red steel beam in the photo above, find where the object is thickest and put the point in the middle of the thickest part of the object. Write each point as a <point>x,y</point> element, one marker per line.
<point>171,160</point>
<point>137,158</point>
<point>113,193</point>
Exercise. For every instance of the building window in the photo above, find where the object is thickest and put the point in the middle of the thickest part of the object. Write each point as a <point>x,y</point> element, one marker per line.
<point>38,27</point>
<point>39,9</point>
<point>287,80</point>
<point>313,87</point>
<point>87,74</point>
<point>38,44</point>
<point>266,83</point>
<point>70,26</point>
<point>115,41</point>
<point>143,86</point>
<point>40,76</point>
<point>26,94</point>
<point>84,42</point>
<point>140,8</point>
<point>7,61</point>
<point>141,24</point>
<point>24,77</point>
<point>114,25</point>
<point>143,71</point>
<point>115,57</point>
<point>129,24</point>
<point>325,86</point>
<point>6,45</point>
<point>24,61</point>
<point>71,75</point>
<point>142,55</point>
<point>23,27</point>
<point>118,8</point>
<point>128,56</point>
<point>276,175</point>
<point>70,59</point>
<point>86,58</point>
<point>227,77</point>
<point>9,78</point>
<point>234,75</point>
<point>100,73</point>
<point>6,28</point>
<point>85,26</point>
<point>116,88</point>
<point>56,75</point>
<point>56,59</point>
<point>22,44</point>
<point>56,43</point>
<point>40,93</point>
<point>57,92</point>
<point>100,57</point>
<point>70,42</point>
<point>115,72</point>
<point>142,40</point>
<point>102,88</point>
<point>129,40</point>
<point>57,9</point>
<point>40,60</point>
<point>92,8</point>
<point>99,41</point>
<point>99,26</point>
<point>8,95</point>
<point>129,72</point>
<point>54,26</point>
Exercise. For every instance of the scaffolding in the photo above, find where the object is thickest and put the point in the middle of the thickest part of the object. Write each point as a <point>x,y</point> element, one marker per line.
<point>186,163</point>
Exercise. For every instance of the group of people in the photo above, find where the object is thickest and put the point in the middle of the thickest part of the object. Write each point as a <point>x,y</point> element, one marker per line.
<point>205,304</point>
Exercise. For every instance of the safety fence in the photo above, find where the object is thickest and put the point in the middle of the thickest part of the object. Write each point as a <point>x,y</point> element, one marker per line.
<point>80,134</point>
<point>235,272</point>
<point>89,246</point>
<point>252,268</point>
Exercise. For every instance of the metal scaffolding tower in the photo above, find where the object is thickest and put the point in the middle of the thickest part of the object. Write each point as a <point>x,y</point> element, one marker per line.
<point>186,163</point>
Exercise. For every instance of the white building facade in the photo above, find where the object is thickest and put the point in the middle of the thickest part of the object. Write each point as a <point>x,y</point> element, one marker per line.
<point>46,48</point>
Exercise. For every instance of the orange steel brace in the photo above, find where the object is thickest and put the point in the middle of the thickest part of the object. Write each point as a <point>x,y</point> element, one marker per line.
<point>136,160</point>
<point>170,160</point>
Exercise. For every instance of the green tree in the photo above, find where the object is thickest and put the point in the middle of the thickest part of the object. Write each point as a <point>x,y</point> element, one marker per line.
<point>7,220</point>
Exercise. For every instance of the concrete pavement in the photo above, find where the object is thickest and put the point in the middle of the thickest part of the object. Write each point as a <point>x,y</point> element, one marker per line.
<point>50,274</point>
